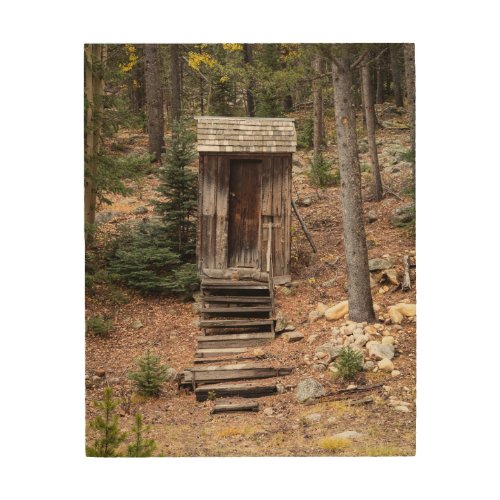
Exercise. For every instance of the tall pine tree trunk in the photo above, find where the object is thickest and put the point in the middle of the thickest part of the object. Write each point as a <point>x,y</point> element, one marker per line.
<point>358,275</point>
<point>369,112</point>
<point>154,100</point>
<point>175,83</point>
<point>248,58</point>
<point>94,94</point>
<point>409,55</point>
<point>317,106</point>
<point>396,74</point>
<point>380,95</point>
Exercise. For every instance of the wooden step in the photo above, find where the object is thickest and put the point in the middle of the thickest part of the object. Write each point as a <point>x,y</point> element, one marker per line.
<point>235,336</point>
<point>229,359</point>
<point>213,374</point>
<point>236,310</point>
<point>235,405</point>
<point>223,344</point>
<point>245,390</point>
<point>235,323</point>
<point>244,299</point>
<point>241,284</point>
<point>203,353</point>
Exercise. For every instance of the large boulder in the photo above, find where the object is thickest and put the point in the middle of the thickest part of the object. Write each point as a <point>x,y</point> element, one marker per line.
<point>332,349</point>
<point>281,322</point>
<point>380,351</point>
<point>403,214</point>
<point>309,388</point>
<point>337,311</point>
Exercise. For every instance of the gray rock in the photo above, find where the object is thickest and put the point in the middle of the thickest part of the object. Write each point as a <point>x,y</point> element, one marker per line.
<point>171,374</point>
<point>281,322</point>
<point>280,388</point>
<point>137,324</point>
<point>368,366</point>
<point>307,389</point>
<point>140,211</point>
<point>403,214</point>
<point>348,435</point>
<point>306,202</point>
<point>289,328</point>
<point>313,418</point>
<point>360,340</point>
<point>268,412</point>
<point>311,338</point>
<point>319,367</point>
<point>113,380</point>
<point>286,291</point>
<point>106,216</point>
<point>371,217</point>
<point>379,264</point>
<point>293,336</point>
<point>329,347</point>
<point>380,351</point>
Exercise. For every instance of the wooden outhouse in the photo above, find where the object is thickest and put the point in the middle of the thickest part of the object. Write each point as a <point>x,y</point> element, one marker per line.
<point>245,187</point>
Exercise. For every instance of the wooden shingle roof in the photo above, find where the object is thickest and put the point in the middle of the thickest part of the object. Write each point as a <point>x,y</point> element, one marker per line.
<point>249,135</point>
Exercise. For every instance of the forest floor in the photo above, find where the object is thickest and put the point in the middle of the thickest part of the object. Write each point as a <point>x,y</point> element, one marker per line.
<point>283,427</point>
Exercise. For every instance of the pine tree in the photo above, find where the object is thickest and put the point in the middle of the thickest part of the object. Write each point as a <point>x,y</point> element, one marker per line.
<point>151,374</point>
<point>107,426</point>
<point>140,447</point>
<point>178,187</point>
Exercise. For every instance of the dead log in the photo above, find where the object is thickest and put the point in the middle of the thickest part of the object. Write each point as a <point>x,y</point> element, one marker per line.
<point>406,283</point>
<point>304,227</point>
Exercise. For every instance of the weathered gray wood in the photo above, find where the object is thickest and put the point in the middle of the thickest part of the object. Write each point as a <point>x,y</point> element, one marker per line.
<point>201,353</point>
<point>304,227</point>
<point>406,283</point>
<point>236,299</point>
<point>238,323</point>
<point>241,284</point>
<point>235,336</point>
<point>287,213</point>
<point>235,274</point>
<point>235,310</point>
<point>215,343</point>
<point>222,213</point>
<point>231,390</point>
<point>218,359</point>
<point>227,407</point>
<point>208,374</point>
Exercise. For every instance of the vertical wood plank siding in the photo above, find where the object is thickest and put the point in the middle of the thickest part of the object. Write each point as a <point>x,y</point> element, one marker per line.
<point>276,189</point>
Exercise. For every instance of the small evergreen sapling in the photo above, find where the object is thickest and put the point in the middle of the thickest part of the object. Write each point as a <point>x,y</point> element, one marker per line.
<point>349,363</point>
<point>151,374</point>
<point>141,447</point>
<point>106,425</point>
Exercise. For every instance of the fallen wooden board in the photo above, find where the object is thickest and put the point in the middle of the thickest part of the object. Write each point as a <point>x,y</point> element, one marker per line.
<point>230,390</point>
<point>231,406</point>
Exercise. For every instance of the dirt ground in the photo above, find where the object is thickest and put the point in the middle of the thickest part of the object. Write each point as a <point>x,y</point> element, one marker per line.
<point>183,427</point>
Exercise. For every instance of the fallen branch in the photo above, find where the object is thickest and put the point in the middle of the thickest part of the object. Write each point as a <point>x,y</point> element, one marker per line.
<point>304,228</point>
<point>406,283</point>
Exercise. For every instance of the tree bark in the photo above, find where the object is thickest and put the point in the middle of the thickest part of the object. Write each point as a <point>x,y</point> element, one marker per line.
<point>317,106</point>
<point>380,82</point>
<point>369,111</point>
<point>358,275</point>
<point>248,58</point>
<point>396,74</point>
<point>154,100</point>
<point>175,83</point>
<point>94,94</point>
<point>409,56</point>
<point>90,163</point>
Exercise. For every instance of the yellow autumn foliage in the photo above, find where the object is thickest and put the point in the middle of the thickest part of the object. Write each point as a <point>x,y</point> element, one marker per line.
<point>132,59</point>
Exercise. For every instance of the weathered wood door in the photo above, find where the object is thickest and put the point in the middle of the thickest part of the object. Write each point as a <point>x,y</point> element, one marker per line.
<point>244,213</point>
